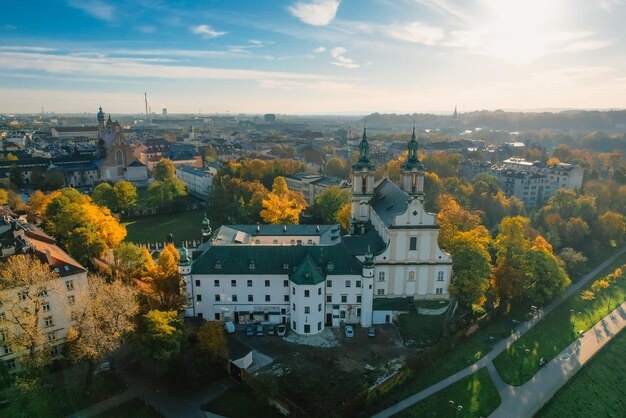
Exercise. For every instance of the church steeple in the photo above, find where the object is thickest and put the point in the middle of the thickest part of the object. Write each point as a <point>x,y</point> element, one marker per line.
<point>412,170</point>
<point>362,182</point>
<point>364,161</point>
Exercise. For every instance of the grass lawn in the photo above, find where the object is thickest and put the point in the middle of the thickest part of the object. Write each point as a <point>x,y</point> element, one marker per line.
<point>183,225</point>
<point>465,354</point>
<point>558,329</point>
<point>417,327</point>
<point>597,390</point>
<point>61,394</point>
<point>476,394</point>
<point>135,408</point>
<point>238,402</point>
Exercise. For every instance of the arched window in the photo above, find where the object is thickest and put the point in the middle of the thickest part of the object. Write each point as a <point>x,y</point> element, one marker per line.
<point>119,157</point>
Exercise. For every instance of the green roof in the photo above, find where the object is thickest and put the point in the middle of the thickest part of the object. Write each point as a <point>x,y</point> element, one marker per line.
<point>275,259</point>
<point>308,273</point>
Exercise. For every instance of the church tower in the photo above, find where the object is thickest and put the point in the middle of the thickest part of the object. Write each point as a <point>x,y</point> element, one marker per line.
<point>412,170</point>
<point>100,150</point>
<point>362,182</point>
<point>206,229</point>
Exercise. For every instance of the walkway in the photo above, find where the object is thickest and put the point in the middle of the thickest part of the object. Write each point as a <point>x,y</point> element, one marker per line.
<point>501,346</point>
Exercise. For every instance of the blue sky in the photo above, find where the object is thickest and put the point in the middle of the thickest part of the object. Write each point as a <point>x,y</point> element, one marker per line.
<point>312,56</point>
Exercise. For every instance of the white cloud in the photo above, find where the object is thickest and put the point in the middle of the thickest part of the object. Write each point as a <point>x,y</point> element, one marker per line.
<point>134,68</point>
<point>94,8</point>
<point>316,86</point>
<point>416,32</point>
<point>206,31</point>
<point>608,5</point>
<point>319,50</point>
<point>586,46</point>
<point>341,60</point>
<point>26,48</point>
<point>316,13</point>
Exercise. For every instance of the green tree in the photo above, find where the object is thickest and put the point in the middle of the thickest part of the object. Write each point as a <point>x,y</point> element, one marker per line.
<point>164,170</point>
<point>335,167</point>
<point>212,341</point>
<point>575,261</point>
<point>164,195</point>
<point>54,180</point>
<point>512,266</point>
<point>130,261</point>
<point>160,338</point>
<point>329,202</point>
<point>104,195</point>
<point>125,196</point>
<point>15,176</point>
<point>548,279</point>
<point>471,267</point>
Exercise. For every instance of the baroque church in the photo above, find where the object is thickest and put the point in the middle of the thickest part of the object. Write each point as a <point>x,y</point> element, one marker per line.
<point>310,276</point>
<point>116,154</point>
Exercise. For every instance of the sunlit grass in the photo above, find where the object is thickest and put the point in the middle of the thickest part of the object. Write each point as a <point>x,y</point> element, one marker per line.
<point>182,225</point>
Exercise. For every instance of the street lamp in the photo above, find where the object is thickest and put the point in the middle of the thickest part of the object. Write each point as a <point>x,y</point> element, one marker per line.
<point>523,351</point>
<point>457,408</point>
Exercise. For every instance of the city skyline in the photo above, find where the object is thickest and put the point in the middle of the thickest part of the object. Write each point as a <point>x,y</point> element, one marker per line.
<point>323,56</point>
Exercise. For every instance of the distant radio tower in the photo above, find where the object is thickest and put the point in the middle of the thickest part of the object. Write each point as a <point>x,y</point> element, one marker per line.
<point>145,96</point>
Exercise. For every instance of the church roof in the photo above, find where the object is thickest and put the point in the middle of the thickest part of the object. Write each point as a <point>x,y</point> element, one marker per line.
<point>274,259</point>
<point>359,244</point>
<point>308,273</point>
<point>389,200</point>
<point>136,163</point>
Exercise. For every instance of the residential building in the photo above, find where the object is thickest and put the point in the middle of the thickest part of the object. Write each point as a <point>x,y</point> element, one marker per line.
<point>55,299</point>
<point>198,181</point>
<point>69,132</point>
<point>311,185</point>
<point>310,277</point>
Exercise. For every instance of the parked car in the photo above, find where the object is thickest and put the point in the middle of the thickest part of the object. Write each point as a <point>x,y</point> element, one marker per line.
<point>259,330</point>
<point>229,327</point>
<point>271,330</point>
<point>371,332</point>
<point>349,331</point>
<point>249,330</point>
<point>281,330</point>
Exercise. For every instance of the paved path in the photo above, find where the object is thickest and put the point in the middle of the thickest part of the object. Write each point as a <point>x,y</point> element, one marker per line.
<point>499,347</point>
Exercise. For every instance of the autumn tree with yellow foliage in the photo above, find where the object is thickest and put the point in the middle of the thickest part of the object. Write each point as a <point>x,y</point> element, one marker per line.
<point>282,206</point>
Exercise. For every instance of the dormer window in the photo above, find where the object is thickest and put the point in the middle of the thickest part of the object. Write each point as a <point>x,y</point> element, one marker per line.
<point>285,266</point>
<point>330,266</point>
<point>252,265</point>
<point>218,264</point>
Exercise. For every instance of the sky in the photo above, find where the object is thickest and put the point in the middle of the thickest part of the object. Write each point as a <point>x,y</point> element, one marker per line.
<point>311,56</point>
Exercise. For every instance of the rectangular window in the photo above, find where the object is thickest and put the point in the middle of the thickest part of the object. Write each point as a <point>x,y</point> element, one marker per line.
<point>250,298</point>
<point>307,309</point>
<point>307,293</point>
<point>293,306</point>
<point>217,316</point>
<point>439,291</point>
<point>267,298</point>
<point>380,292</point>
<point>358,311</point>
<point>10,364</point>
<point>342,314</point>
<point>22,295</point>
<point>358,298</point>
<point>344,298</point>
<point>7,349</point>
<point>348,283</point>
<point>329,298</point>
<point>413,244</point>
<point>285,283</point>
<point>249,283</point>
<point>319,308</point>
<point>358,283</point>
<point>293,290</point>
<point>218,298</point>
<point>198,298</point>
<point>286,298</point>
<point>48,321</point>
<point>267,283</point>
<point>234,298</point>
<point>3,336</point>
<point>44,292</point>
<point>293,323</point>
<point>46,306</point>
<point>51,336</point>
<point>233,283</point>
<point>216,283</point>
<point>381,276</point>
<point>319,290</point>
<point>283,311</point>
<point>197,283</point>
<point>440,276</point>
<point>319,326</point>
<point>329,283</point>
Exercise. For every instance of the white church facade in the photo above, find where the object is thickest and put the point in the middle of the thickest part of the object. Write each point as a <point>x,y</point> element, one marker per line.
<point>310,277</point>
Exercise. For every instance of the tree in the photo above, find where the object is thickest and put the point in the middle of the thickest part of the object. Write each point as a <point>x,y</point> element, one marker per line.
<point>471,267</point>
<point>164,194</point>
<point>512,266</point>
<point>166,292</point>
<point>130,261</point>
<point>25,287</point>
<point>329,202</point>
<point>160,338</point>
<point>164,170</point>
<point>611,227</point>
<point>282,206</point>
<point>15,176</point>
<point>453,219</point>
<point>37,177</point>
<point>212,341</point>
<point>343,216</point>
<point>4,197</point>
<point>104,195</point>
<point>574,260</point>
<point>125,196</point>
<point>335,167</point>
<point>101,318</point>
<point>548,279</point>
<point>54,180</point>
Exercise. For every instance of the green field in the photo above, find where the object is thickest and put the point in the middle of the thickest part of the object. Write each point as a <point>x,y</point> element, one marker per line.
<point>424,328</point>
<point>238,402</point>
<point>559,329</point>
<point>135,408</point>
<point>598,390</point>
<point>476,394</point>
<point>183,225</point>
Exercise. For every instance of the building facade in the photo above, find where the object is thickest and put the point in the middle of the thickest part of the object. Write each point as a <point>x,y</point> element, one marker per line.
<point>198,181</point>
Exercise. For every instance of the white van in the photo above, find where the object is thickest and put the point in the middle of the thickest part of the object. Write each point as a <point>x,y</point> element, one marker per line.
<point>229,327</point>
